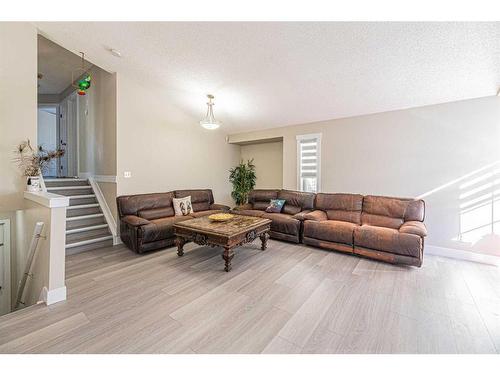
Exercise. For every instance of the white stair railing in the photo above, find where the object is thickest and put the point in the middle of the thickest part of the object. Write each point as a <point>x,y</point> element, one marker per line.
<point>31,255</point>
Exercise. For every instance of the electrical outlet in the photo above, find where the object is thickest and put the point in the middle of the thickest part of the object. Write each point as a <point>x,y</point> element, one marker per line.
<point>127,174</point>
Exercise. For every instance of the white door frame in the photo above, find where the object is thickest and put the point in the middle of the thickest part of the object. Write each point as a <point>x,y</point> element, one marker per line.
<point>72,134</point>
<point>5,292</point>
<point>58,115</point>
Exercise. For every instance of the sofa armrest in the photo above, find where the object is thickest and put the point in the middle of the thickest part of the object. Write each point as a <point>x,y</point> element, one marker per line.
<point>134,221</point>
<point>301,215</point>
<point>317,215</point>
<point>414,227</point>
<point>222,207</point>
<point>246,206</point>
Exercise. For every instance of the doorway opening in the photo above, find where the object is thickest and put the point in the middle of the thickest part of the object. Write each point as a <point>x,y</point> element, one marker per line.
<point>58,113</point>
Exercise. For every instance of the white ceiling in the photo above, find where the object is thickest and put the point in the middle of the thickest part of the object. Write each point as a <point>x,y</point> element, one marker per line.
<point>56,64</point>
<point>275,74</point>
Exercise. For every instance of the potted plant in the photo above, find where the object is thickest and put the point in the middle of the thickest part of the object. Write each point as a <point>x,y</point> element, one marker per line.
<point>33,163</point>
<point>243,178</point>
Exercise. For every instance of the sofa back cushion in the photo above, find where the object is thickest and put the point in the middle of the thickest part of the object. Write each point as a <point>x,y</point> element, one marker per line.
<point>260,198</point>
<point>391,212</point>
<point>151,206</point>
<point>296,201</point>
<point>201,199</point>
<point>341,207</point>
<point>156,213</point>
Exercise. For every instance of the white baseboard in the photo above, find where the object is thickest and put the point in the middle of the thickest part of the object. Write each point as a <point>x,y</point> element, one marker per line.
<point>462,255</point>
<point>53,296</point>
<point>105,178</point>
<point>99,177</point>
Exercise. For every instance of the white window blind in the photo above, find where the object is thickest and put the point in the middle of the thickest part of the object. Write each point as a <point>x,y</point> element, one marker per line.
<point>309,158</point>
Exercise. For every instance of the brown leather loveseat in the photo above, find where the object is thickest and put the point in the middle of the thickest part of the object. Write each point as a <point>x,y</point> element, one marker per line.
<point>383,228</point>
<point>286,225</point>
<point>146,220</point>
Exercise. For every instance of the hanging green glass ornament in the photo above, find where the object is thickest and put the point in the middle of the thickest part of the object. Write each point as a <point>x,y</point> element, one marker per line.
<point>84,84</point>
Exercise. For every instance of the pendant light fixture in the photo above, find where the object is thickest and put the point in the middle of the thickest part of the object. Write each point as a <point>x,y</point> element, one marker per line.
<point>209,122</point>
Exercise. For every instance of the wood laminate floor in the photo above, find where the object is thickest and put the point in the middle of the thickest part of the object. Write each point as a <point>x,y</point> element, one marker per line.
<point>288,299</point>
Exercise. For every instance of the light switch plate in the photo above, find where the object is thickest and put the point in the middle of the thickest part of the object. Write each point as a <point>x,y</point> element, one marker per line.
<point>127,174</point>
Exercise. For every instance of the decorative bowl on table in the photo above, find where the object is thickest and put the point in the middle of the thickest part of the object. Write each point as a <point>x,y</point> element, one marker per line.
<point>221,217</point>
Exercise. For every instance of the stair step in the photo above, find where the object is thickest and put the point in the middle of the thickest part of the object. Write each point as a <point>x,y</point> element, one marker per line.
<point>82,217</point>
<point>74,191</point>
<point>51,179</point>
<point>83,206</point>
<point>85,222</point>
<point>88,241</point>
<point>66,182</point>
<point>81,196</point>
<point>77,200</point>
<point>86,228</point>
<point>79,187</point>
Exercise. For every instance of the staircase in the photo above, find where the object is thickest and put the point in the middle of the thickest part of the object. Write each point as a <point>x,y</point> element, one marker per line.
<point>86,227</point>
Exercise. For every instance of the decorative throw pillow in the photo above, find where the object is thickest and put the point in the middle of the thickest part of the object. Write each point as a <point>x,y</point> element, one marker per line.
<point>276,205</point>
<point>183,206</point>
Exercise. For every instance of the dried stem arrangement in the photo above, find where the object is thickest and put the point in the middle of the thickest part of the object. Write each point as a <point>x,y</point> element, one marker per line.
<point>34,162</point>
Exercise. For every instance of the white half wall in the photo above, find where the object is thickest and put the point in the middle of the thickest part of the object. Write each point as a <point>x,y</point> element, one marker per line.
<point>431,151</point>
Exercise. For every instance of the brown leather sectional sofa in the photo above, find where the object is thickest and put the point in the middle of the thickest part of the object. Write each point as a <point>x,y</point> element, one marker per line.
<point>383,228</point>
<point>146,220</point>
<point>286,225</point>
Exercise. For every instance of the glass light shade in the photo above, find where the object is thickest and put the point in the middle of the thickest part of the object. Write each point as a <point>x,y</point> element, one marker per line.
<point>209,124</point>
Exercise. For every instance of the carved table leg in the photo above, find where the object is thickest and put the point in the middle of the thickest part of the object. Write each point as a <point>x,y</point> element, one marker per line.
<point>227,255</point>
<point>179,241</point>
<point>263,238</point>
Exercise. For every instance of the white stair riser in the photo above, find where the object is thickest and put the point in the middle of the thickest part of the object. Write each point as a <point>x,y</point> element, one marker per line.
<point>85,222</point>
<point>76,207</point>
<point>91,216</point>
<point>92,246</point>
<point>87,228</point>
<point>83,211</point>
<point>88,242</point>
<point>81,236</point>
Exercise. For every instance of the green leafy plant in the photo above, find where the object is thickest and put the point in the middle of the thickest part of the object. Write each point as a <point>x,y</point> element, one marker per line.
<point>243,179</point>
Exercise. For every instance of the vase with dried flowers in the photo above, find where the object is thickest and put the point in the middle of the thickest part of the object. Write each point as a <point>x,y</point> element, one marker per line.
<point>34,162</point>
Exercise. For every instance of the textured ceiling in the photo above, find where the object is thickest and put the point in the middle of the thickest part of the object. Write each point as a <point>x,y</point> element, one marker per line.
<point>274,74</point>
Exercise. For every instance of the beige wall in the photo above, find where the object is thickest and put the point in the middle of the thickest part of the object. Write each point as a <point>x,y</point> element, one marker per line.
<point>97,125</point>
<point>108,190</point>
<point>97,131</point>
<point>165,149</point>
<point>18,104</point>
<point>268,160</point>
<point>405,153</point>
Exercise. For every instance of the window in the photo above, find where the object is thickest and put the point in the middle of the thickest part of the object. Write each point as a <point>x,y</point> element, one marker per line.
<point>308,162</point>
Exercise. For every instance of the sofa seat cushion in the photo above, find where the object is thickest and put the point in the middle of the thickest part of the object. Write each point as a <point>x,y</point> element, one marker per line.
<point>257,213</point>
<point>387,239</point>
<point>330,230</point>
<point>283,223</point>
<point>205,213</point>
<point>160,229</point>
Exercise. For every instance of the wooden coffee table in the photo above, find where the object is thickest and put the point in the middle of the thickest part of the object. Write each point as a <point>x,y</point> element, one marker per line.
<point>229,234</point>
